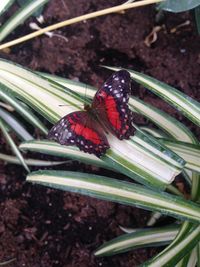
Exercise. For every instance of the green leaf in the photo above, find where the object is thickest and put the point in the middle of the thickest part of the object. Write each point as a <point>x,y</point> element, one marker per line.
<point>198,255</point>
<point>197,18</point>
<point>168,124</point>
<point>179,6</point>
<point>55,149</point>
<point>12,145</point>
<point>19,17</point>
<point>189,152</point>
<point>165,122</point>
<point>146,164</point>
<point>140,238</point>
<point>154,132</point>
<point>31,162</point>
<point>118,191</point>
<point>189,260</point>
<point>15,125</point>
<point>178,249</point>
<point>160,118</point>
<point>183,103</point>
<point>8,97</point>
<point>4,5</point>
<point>22,3</point>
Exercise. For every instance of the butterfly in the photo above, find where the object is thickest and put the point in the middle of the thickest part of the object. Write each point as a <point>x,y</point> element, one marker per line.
<point>109,112</point>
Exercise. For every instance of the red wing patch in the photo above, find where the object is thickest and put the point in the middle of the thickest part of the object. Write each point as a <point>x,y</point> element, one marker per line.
<point>111,103</point>
<point>80,129</point>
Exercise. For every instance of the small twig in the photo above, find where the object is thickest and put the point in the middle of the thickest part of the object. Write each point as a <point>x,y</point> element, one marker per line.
<point>152,36</point>
<point>65,6</point>
<point>34,26</point>
<point>186,23</point>
<point>7,262</point>
<point>79,19</point>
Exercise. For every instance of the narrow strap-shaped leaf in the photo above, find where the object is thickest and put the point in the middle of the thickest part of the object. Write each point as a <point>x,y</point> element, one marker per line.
<point>16,126</point>
<point>183,103</point>
<point>198,255</point>
<point>197,18</point>
<point>53,148</point>
<point>163,120</point>
<point>46,96</point>
<point>175,126</point>
<point>12,145</point>
<point>175,253</point>
<point>149,237</point>
<point>154,132</point>
<point>118,191</point>
<point>31,162</point>
<point>189,152</point>
<point>20,16</point>
<point>38,12</point>
<point>4,5</point>
<point>189,260</point>
<point>27,115</point>
<point>178,6</point>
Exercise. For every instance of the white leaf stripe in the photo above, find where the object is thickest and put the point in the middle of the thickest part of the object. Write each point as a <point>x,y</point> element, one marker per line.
<point>38,95</point>
<point>121,192</point>
<point>176,129</point>
<point>20,16</point>
<point>29,161</point>
<point>14,148</point>
<point>4,5</point>
<point>188,106</point>
<point>140,238</point>
<point>29,116</point>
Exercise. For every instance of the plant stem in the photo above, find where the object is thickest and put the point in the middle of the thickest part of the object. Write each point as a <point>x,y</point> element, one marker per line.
<point>78,19</point>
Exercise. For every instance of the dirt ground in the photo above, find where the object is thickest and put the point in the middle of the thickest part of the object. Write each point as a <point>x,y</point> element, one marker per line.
<point>40,227</point>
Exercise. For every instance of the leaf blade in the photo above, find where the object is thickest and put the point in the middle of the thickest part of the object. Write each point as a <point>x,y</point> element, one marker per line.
<point>117,191</point>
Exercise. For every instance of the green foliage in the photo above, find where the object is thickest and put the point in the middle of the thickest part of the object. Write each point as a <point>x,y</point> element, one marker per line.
<point>152,157</point>
<point>27,9</point>
<point>178,6</point>
<point>197,18</point>
<point>23,3</point>
<point>4,5</point>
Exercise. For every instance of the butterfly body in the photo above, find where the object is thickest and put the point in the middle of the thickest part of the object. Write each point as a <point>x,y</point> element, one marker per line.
<point>109,112</point>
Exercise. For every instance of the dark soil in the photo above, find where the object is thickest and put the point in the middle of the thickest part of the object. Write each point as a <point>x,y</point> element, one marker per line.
<point>40,227</point>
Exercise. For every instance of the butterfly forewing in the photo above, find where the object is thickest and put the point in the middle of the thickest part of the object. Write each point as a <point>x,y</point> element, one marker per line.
<point>80,129</point>
<point>111,104</point>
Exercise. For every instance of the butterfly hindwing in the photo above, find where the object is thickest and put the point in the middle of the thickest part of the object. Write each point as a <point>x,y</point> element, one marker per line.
<point>80,129</point>
<point>111,103</point>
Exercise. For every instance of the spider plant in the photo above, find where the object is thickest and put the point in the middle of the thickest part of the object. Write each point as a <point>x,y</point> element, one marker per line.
<point>151,157</point>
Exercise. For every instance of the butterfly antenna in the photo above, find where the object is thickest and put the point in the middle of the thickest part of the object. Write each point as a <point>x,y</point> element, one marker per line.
<point>85,96</point>
<point>64,105</point>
